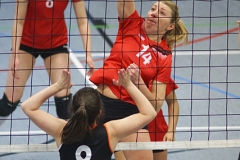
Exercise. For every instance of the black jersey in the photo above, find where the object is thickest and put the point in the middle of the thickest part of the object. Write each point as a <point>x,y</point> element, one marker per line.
<point>93,147</point>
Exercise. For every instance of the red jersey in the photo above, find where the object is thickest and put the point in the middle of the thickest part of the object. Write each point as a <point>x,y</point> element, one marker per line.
<point>45,25</point>
<point>132,45</point>
<point>158,127</point>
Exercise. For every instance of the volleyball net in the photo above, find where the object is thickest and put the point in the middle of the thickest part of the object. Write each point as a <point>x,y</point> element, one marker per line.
<point>206,71</point>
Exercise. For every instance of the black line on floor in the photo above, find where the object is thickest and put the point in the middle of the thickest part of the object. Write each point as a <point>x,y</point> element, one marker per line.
<point>100,22</point>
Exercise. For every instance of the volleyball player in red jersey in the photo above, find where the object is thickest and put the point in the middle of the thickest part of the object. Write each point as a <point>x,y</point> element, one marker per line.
<point>39,28</point>
<point>143,44</point>
<point>158,129</point>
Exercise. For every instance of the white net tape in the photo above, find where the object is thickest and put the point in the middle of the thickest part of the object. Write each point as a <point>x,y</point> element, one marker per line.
<point>178,129</point>
<point>206,144</point>
<point>131,146</point>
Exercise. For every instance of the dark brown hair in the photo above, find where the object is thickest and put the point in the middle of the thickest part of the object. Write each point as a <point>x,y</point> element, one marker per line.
<point>86,107</point>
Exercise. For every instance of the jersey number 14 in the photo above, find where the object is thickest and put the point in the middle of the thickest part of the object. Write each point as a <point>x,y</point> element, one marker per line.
<point>147,56</point>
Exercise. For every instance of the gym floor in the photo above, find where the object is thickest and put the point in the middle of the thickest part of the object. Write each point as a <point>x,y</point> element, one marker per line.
<point>206,71</point>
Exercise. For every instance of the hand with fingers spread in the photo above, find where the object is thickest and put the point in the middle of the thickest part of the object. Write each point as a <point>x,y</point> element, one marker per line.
<point>123,78</point>
<point>135,74</point>
<point>64,81</point>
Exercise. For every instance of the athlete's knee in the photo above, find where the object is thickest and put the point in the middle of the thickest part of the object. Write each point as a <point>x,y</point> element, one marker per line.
<point>14,94</point>
<point>6,106</point>
<point>160,154</point>
<point>62,104</point>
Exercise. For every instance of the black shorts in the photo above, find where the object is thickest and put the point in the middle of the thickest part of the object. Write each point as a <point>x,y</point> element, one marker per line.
<point>44,53</point>
<point>157,151</point>
<point>117,109</point>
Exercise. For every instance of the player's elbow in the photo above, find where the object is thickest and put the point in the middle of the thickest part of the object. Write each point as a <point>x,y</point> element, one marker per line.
<point>151,116</point>
<point>154,114</point>
<point>25,108</point>
<point>158,105</point>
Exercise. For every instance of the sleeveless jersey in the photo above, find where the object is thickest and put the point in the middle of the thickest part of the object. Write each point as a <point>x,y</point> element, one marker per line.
<point>94,147</point>
<point>158,127</point>
<point>45,26</point>
<point>132,45</point>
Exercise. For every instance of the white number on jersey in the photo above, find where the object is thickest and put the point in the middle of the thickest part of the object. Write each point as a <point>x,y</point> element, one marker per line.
<point>80,150</point>
<point>49,3</point>
<point>143,50</point>
<point>147,57</point>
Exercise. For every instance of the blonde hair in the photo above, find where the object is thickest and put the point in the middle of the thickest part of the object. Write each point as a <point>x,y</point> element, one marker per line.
<point>179,32</point>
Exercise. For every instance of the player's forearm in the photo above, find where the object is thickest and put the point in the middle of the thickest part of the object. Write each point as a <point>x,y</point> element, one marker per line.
<point>16,36</point>
<point>85,32</point>
<point>173,112</point>
<point>125,8</point>
<point>143,104</point>
<point>154,100</point>
<point>34,102</point>
<point>125,4</point>
<point>18,23</point>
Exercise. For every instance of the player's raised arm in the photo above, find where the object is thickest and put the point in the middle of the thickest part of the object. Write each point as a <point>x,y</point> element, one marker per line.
<point>125,8</point>
<point>45,121</point>
<point>126,126</point>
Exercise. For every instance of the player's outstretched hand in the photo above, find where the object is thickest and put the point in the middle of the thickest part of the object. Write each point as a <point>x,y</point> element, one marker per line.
<point>64,81</point>
<point>123,78</point>
<point>135,74</point>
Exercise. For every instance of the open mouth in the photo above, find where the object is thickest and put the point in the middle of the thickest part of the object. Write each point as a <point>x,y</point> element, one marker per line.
<point>151,21</point>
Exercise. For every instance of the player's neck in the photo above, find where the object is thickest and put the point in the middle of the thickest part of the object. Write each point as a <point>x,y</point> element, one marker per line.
<point>155,38</point>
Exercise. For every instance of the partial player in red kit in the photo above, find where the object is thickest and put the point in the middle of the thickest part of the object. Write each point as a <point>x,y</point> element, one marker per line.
<point>142,46</point>
<point>158,129</point>
<point>39,29</point>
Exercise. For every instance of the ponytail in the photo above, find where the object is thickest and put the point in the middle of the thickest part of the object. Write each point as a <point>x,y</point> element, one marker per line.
<point>178,34</point>
<point>86,108</point>
<point>77,127</point>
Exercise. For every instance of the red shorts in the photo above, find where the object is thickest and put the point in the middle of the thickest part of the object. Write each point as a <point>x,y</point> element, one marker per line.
<point>158,127</point>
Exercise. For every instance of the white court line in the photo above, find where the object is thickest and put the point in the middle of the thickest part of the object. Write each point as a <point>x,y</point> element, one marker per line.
<point>80,68</point>
<point>224,52</point>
